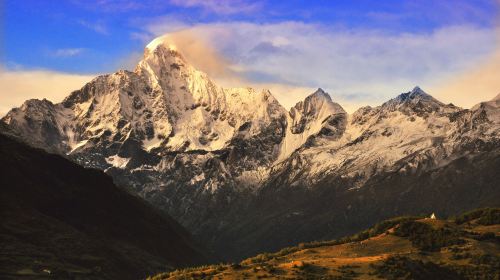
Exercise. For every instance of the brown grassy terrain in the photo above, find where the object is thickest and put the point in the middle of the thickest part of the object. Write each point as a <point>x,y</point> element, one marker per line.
<point>467,247</point>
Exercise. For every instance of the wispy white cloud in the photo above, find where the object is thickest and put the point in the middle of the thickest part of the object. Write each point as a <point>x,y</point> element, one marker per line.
<point>357,66</point>
<point>431,13</point>
<point>69,52</point>
<point>223,7</point>
<point>151,27</point>
<point>219,7</point>
<point>113,6</point>
<point>98,27</point>
<point>20,85</point>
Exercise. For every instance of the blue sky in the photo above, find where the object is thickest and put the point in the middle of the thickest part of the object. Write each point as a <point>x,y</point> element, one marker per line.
<point>95,36</point>
<point>362,52</point>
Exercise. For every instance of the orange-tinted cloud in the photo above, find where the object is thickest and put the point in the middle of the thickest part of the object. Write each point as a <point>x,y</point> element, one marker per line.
<point>18,86</point>
<point>477,84</point>
<point>200,53</point>
<point>474,86</point>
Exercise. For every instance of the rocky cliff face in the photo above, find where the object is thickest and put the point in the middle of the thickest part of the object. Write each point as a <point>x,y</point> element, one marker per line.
<point>213,157</point>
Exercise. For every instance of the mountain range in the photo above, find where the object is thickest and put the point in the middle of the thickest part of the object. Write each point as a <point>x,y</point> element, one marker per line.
<point>245,175</point>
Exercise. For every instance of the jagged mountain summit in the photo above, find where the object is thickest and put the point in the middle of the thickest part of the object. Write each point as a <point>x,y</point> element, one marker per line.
<point>314,117</point>
<point>233,164</point>
<point>164,103</point>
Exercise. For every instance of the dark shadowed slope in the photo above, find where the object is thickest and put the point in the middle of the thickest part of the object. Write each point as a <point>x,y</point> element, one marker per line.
<point>60,220</point>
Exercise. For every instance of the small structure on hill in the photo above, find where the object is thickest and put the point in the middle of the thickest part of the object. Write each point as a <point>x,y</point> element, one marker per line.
<point>433,216</point>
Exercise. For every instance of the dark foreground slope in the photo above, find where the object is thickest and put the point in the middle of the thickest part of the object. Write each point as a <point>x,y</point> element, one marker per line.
<point>61,221</point>
<point>467,247</point>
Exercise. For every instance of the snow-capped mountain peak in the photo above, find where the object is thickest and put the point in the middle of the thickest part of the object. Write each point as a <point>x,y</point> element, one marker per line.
<point>160,41</point>
<point>316,116</point>
<point>418,90</point>
<point>165,51</point>
<point>163,64</point>
<point>415,94</point>
<point>417,101</point>
<point>315,104</point>
<point>319,93</point>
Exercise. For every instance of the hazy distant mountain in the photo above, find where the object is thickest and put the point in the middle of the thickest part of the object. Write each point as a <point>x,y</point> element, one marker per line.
<point>62,221</point>
<point>244,174</point>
